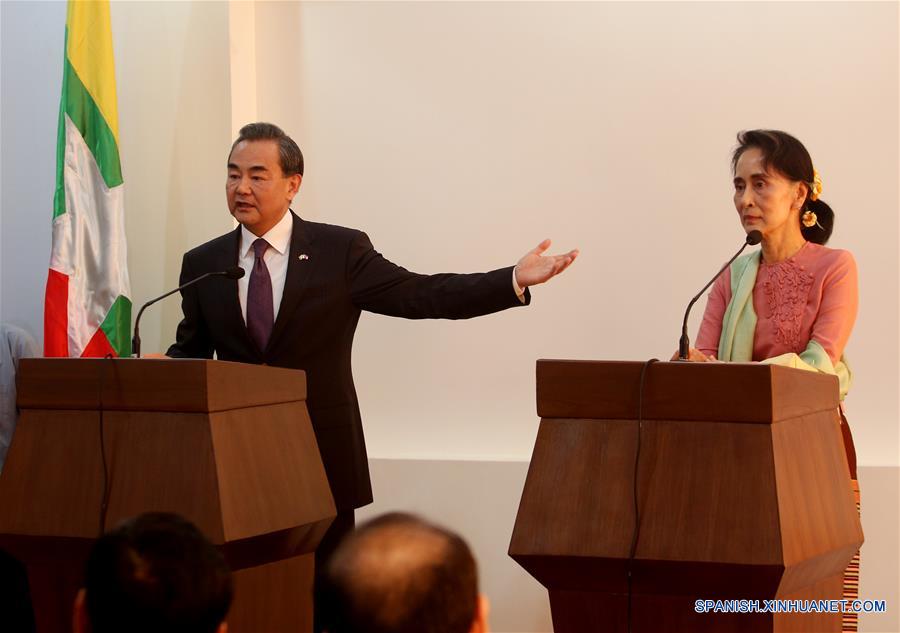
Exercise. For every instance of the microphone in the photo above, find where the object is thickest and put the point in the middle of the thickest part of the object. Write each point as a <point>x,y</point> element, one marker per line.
<point>235,272</point>
<point>753,238</point>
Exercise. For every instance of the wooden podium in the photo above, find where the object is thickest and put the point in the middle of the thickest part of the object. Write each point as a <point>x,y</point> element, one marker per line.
<point>743,493</point>
<point>228,446</point>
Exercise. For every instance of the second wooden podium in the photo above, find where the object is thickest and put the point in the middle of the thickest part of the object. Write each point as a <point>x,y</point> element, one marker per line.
<point>742,485</point>
<point>228,446</point>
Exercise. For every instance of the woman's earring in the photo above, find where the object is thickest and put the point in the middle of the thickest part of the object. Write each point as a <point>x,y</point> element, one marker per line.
<point>809,219</point>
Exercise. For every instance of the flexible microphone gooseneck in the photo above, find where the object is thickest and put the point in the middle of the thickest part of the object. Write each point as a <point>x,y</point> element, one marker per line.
<point>235,272</point>
<point>753,238</point>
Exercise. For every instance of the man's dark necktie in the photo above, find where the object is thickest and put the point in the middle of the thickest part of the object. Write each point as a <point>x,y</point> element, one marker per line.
<point>260,312</point>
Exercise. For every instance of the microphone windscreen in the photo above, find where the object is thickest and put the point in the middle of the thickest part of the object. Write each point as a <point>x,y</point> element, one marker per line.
<point>236,272</point>
<point>754,238</point>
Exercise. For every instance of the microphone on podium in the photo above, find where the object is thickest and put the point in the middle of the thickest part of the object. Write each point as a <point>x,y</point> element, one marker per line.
<point>235,272</point>
<point>753,238</point>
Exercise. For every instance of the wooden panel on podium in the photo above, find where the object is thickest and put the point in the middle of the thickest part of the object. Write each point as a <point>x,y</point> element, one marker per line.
<point>226,445</point>
<point>743,493</point>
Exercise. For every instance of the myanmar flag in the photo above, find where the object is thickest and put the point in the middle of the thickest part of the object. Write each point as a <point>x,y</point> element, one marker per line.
<point>87,310</point>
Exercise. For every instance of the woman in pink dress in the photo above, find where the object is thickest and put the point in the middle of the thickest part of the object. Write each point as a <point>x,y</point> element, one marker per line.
<point>794,301</point>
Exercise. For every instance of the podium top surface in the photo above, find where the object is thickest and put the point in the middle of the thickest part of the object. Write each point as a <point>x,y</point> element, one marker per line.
<point>721,392</point>
<point>145,384</point>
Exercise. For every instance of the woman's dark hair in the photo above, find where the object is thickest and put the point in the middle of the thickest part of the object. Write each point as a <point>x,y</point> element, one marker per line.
<point>785,154</point>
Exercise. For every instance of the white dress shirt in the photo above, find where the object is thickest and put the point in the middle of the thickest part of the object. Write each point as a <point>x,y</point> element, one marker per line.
<point>276,259</point>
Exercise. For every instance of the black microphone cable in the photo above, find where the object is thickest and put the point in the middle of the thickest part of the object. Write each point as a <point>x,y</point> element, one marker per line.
<point>104,499</point>
<point>637,511</point>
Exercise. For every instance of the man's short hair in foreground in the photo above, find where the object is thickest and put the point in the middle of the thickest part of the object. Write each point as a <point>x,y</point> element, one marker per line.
<point>401,574</point>
<point>154,573</point>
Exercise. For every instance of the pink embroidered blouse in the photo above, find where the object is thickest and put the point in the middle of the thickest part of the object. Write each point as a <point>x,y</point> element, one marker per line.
<point>812,295</point>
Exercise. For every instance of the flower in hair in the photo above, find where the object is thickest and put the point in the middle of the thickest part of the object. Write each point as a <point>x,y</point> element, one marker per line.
<point>815,189</point>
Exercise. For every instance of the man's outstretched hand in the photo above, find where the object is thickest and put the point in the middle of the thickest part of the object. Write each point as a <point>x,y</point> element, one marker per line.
<point>535,268</point>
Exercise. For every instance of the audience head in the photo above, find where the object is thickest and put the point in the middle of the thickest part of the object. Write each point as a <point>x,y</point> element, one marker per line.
<point>401,574</point>
<point>154,573</point>
<point>784,155</point>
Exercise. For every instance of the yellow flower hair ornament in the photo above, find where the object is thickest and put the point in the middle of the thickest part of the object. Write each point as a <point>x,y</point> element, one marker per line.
<point>815,188</point>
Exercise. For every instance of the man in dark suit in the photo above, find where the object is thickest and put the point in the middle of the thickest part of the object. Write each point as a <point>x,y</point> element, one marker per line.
<point>299,305</point>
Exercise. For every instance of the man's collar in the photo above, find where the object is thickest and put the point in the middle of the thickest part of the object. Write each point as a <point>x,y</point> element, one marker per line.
<point>278,237</point>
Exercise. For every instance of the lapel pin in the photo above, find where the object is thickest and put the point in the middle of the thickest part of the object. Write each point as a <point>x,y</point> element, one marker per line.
<point>302,256</point>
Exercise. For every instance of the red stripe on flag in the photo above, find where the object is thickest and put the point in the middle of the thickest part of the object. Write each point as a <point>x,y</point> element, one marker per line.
<point>98,346</point>
<point>56,315</point>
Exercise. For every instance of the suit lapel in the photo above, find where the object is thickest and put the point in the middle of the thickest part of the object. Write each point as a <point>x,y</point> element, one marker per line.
<point>298,271</point>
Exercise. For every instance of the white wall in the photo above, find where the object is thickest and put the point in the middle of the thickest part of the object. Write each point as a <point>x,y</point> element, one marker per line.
<point>460,134</point>
<point>31,53</point>
<point>172,66</point>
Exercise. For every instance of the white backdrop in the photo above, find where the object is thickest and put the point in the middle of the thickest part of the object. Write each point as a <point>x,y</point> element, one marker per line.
<point>459,135</point>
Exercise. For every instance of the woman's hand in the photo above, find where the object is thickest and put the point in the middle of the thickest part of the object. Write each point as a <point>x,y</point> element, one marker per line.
<point>696,356</point>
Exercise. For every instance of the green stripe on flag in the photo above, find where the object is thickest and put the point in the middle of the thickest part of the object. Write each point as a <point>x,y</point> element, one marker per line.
<point>117,326</point>
<point>59,195</point>
<point>82,109</point>
<point>86,116</point>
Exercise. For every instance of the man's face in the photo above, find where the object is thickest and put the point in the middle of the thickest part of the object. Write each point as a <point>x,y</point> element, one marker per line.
<point>258,192</point>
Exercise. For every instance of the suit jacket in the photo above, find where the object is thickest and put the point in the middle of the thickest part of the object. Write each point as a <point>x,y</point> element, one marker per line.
<point>323,296</point>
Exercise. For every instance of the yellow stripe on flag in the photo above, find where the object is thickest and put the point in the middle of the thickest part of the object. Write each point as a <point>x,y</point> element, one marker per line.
<point>90,52</point>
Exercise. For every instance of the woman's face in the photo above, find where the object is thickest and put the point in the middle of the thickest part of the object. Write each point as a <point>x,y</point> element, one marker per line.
<point>766,200</point>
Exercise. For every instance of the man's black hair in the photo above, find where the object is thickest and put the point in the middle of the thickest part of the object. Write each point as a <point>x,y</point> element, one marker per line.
<point>290,156</point>
<point>156,573</point>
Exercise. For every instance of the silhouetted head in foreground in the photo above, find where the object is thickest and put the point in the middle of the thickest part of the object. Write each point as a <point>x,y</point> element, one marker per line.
<point>154,573</point>
<point>401,574</point>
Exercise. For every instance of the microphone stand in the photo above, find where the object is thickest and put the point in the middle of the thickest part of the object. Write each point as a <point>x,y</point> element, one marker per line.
<point>231,273</point>
<point>684,344</point>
